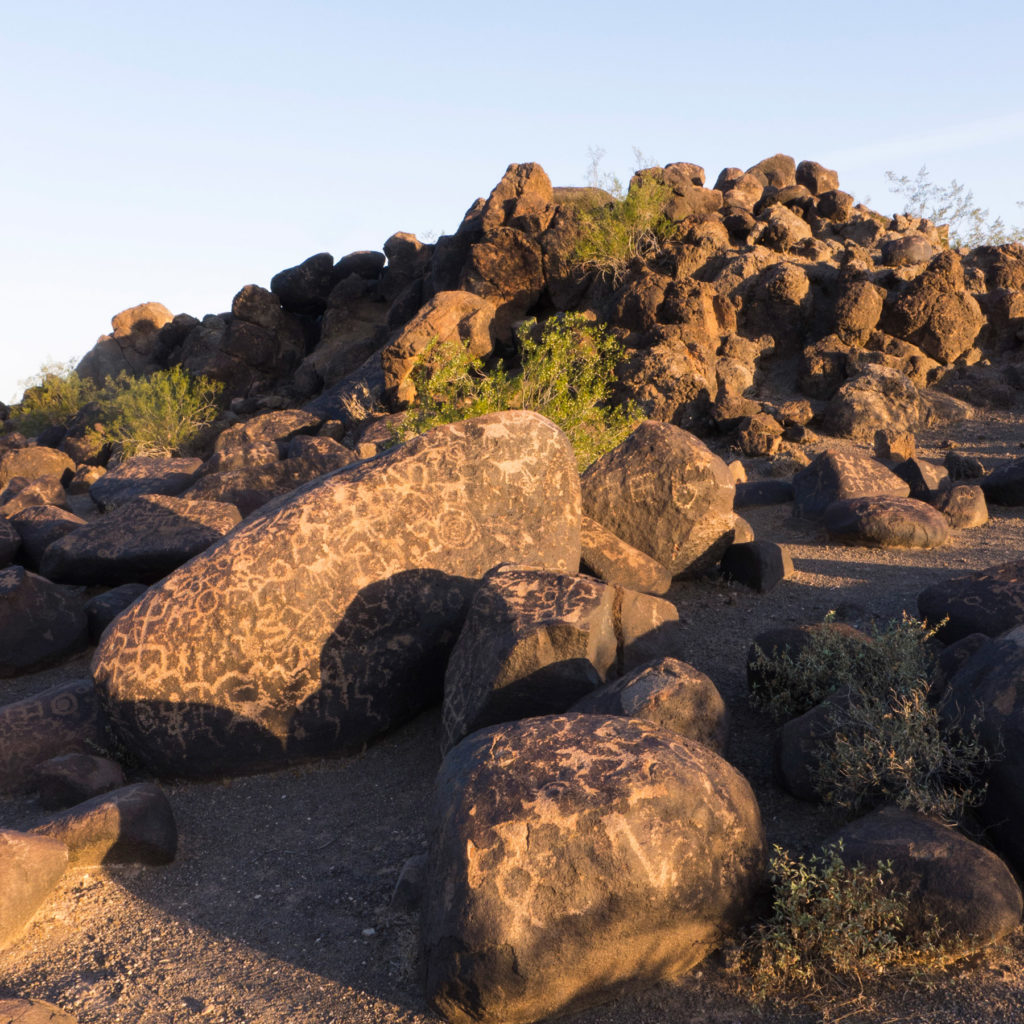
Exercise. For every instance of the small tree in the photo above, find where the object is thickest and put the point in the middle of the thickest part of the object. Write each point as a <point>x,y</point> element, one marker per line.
<point>953,205</point>
<point>52,396</point>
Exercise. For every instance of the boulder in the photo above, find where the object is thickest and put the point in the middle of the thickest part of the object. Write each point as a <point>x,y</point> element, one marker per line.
<point>32,1011</point>
<point>69,779</point>
<point>990,601</point>
<point>964,506</point>
<point>143,474</point>
<point>576,857</point>
<point>878,399</point>
<point>816,178</point>
<point>10,542</point>
<point>305,288</point>
<point>38,527</point>
<point>30,867</point>
<point>327,619</point>
<point>64,719</point>
<point>669,693</point>
<point>1005,485</point>
<point>611,559</point>
<point>275,428</point>
<point>759,564</point>
<point>926,480</point>
<point>907,251</point>
<point>505,267</point>
<point>534,642</point>
<point>102,609</point>
<point>666,494</point>
<point>886,522</point>
<point>130,825</point>
<point>952,884</point>
<point>34,462</point>
<point>893,445</point>
<point>21,493</point>
<point>760,435</point>
<point>40,622</point>
<point>836,475</point>
<point>141,541</point>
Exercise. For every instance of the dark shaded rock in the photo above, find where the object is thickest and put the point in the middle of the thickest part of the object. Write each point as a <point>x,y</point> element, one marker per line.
<point>102,609</point>
<point>69,779</point>
<point>143,474</point>
<point>409,889</point>
<point>576,857</point>
<point>30,867</point>
<point>798,746</point>
<point>669,693</point>
<point>664,492</point>
<point>35,462</point>
<point>906,251</point>
<point>990,601</point>
<point>141,541</point>
<point>759,564</point>
<point>760,435</point>
<point>10,542</point>
<point>64,719</point>
<point>38,527</point>
<point>302,645</point>
<point>130,825</point>
<point>275,428</point>
<point>21,493</point>
<point>778,171</point>
<point>305,288</point>
<point>927,482</point>
<point>506,267</point>
<point>534,642</point>
<point>834,476</point>
<point>611,559</point>
<point>751,493</point>
<point>963,467</point>
<point>815,177</point>
<point>365,263</point>
<point>964,506</point>
<point>1005,485</point>
<point>953,884</point>
<point>40,622</point>
<point>886,522</point>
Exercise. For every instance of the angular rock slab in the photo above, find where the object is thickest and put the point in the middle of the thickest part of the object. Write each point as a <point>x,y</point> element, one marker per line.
<point>833,476</point>
<point>534,642</point>
<point>1005,485</point>
<point>32,1011</point>
<point>611,559</point>
<point>143,474</point>
<point>40,526</point>
<point>884,522</point>
<point>990,601</point>
<point>141,541</point>
<point>130,825</point>
<point>574,857</point>
<point>666,494</point>
<point>953,883</point>
<point>759,564</point>
<point>40,622</point>
<point>10,541</point>
<point>64,719</point>
<point>30,866</point>
<point>327,619</point>
<point>70,779</point>
<point>668,693</point>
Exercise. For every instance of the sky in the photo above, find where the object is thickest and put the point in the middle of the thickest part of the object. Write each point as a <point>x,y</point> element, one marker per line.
<point>177,152</point>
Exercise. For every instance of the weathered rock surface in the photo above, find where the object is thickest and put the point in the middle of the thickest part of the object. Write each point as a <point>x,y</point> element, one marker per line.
<point>40,622</point>
<point>989,602</point>
<point>102,609</point>
<point>143,474</point>
<point>130,825</point>
<point>534,642</point>
<point>611,559</point>
<point>833,476</point>
<point>30,866</point>
<point>668,693</point>
<point>64,719</point>
<point>70,779</point>
<point>38,527</point>
<point>964,506</point>
<point>953,884</point>
<point>141,541</point>
<point>664,493</point>
<point>10,542</point>
<point>32,1011</point>
<point>575,857</point>
<point>300,645</point>
<point>1005,485</point>
<point>759,564</point>
<point>886,522</point>
<point>35,462</point>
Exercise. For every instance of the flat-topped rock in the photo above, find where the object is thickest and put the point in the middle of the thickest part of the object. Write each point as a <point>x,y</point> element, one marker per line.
<point>143,474</point>
<point>886,522</point>
<point>836,475</point>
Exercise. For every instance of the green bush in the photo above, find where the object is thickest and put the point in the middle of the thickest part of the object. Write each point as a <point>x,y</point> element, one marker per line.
<point>566,372</point>
<point>831,922</point>
<point>163,413</point>
<point>612,235</point>
<point>52,396</point>
<point>885,741</point>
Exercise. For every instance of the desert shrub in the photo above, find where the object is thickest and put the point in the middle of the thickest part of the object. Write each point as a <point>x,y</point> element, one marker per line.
<point>163,413</point>
<point>566,372</point>
<point>612,235</point>
<point>831,922</point>
<point>52,396</point>
<point>885,740</point>
<point>835,660</point>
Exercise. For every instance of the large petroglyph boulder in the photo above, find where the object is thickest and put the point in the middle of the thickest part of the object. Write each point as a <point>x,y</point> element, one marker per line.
<point>990,601</point>
<point>574,857</point>
<point>666,494</point>
<point>325,620</point>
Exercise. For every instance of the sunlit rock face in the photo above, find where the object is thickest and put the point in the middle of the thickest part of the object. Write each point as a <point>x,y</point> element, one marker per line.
<point>327,619</point>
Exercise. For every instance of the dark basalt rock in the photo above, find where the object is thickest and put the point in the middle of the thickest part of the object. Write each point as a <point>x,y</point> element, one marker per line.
<point>1005,485</point>
<point>759,564</point>
<point>886,522</point>
<point>72,778</point>
<point>990,601</point>
<point>833,476</point>
<point>143,474</point>
<point>30,867</point>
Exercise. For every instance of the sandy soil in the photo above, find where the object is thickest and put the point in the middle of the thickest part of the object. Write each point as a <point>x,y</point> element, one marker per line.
<point>277,907</point>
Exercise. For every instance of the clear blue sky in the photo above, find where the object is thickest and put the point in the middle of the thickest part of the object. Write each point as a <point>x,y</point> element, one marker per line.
<point>175,152</point>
